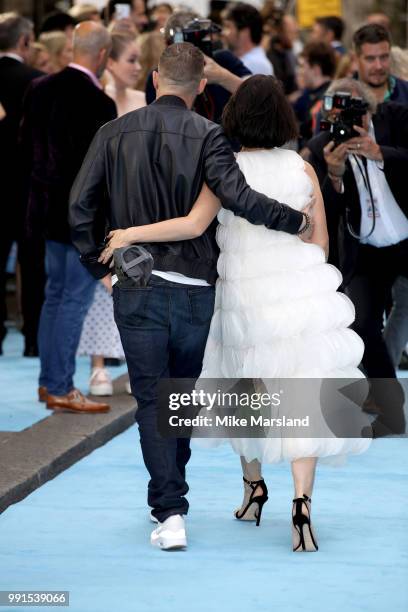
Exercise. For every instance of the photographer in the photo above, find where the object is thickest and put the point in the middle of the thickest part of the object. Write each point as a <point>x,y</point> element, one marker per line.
<point>224,72</point>
<point>361,169</point>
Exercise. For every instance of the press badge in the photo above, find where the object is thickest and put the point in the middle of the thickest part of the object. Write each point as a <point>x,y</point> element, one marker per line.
<point>370,209</point>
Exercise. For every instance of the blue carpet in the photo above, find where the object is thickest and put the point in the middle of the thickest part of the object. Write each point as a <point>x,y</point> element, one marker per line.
<point>19,407</point>
<point>87,531</point>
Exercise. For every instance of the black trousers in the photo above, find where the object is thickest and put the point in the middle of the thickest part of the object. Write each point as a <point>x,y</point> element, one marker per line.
<point>369,290</point>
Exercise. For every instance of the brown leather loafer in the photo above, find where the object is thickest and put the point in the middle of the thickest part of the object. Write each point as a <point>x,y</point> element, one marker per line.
<point>75,401</point>
<point>42,394</point>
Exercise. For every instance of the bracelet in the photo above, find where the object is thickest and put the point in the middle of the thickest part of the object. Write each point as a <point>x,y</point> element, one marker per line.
<point>307,224</point>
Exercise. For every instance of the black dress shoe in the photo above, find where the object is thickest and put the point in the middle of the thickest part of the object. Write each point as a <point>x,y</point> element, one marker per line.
<point>31,350</point>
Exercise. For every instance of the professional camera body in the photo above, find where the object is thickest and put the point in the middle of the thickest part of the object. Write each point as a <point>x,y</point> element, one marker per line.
<point>199,33</point>
<point>352,111</point>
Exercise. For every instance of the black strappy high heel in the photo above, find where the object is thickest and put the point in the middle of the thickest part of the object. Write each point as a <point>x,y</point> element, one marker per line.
<point>302,532</point>
<point>258,500</point>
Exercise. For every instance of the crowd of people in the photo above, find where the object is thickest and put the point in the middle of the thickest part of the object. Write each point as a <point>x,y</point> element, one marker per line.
<point>344,110</point>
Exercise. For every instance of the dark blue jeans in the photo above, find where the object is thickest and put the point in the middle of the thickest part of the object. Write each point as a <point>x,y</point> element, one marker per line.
<point>68,295</point>
<point>164,329</point>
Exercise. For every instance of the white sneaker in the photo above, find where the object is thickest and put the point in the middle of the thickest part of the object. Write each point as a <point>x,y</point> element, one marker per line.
<point>171,534</point>
<point>100,382</point>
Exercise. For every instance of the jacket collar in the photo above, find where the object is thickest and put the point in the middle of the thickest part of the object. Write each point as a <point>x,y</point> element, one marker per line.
<point>171,101</point>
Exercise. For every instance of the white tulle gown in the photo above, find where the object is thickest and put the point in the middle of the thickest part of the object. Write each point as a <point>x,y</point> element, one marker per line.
<point>277,311</point>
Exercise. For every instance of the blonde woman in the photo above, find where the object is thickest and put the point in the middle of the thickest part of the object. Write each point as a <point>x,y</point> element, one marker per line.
<point>59,46</point>
<point>124,70</point>
<point>40,58</point>
<point>152,45</point>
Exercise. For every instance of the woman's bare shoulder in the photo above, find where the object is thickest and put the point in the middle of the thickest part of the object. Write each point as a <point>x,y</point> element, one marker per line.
<point>137,97</point>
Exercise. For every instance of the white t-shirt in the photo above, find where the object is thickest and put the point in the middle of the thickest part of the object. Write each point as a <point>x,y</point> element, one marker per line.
<point>173,277</point>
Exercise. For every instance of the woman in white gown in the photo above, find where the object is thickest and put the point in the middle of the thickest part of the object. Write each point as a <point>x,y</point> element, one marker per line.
<point>277,311</point>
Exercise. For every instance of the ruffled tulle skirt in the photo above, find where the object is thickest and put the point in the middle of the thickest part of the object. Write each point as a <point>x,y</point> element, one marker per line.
<point>279,315</point>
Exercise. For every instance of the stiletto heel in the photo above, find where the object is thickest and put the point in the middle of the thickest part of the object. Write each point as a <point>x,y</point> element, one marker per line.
<point>248,513</point>
<point>302,533</point>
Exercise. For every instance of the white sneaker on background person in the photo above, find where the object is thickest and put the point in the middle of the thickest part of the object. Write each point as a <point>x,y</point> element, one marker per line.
<point>100,382</point>
<point>171,534</point>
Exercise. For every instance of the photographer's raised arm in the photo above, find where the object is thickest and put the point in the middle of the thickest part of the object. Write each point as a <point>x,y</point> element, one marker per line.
<point>217,75</point>
<point>225,179</point>
<point>86,198</point>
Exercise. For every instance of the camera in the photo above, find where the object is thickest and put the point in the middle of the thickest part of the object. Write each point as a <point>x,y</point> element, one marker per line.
<point>352,111</point>
<point>199,33</point>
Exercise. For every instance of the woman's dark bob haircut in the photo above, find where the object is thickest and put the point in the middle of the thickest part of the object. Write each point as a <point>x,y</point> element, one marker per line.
<point>258,115</point>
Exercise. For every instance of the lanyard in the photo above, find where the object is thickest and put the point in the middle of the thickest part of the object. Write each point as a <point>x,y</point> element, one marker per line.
<point>363,168</point>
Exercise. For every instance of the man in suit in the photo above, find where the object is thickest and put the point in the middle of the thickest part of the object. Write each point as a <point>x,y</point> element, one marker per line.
<point>16,34</point>
<point>365,193</point>
<point>62,113</point>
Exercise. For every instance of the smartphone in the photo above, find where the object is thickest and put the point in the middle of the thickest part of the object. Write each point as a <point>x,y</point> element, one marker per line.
<point>122,11</point>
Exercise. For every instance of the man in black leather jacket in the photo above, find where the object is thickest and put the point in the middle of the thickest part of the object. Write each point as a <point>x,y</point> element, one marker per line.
<point>150,166</point>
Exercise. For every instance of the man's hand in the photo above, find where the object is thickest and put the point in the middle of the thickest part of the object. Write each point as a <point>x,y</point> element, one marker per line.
<point>307,235</point>
<point>117,239</point>
<point>364,145</point>
<point>216,74</point>
<point>336,158</point>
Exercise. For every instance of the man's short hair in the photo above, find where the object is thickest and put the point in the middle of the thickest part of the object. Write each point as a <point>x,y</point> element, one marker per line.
<point>334,24</point>
<point>371,34</point>
<point>320,54</point>
<point>181,65</point>
<point>246,16</point>
<point>12,27</point>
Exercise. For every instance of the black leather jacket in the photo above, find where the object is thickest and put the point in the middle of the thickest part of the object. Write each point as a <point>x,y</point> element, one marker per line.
<point>149,166</point>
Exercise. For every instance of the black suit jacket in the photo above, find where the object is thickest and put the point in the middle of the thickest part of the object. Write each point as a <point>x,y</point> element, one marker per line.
<point>62,113</point>
<point>15,77</point>
<point>391,132</point>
